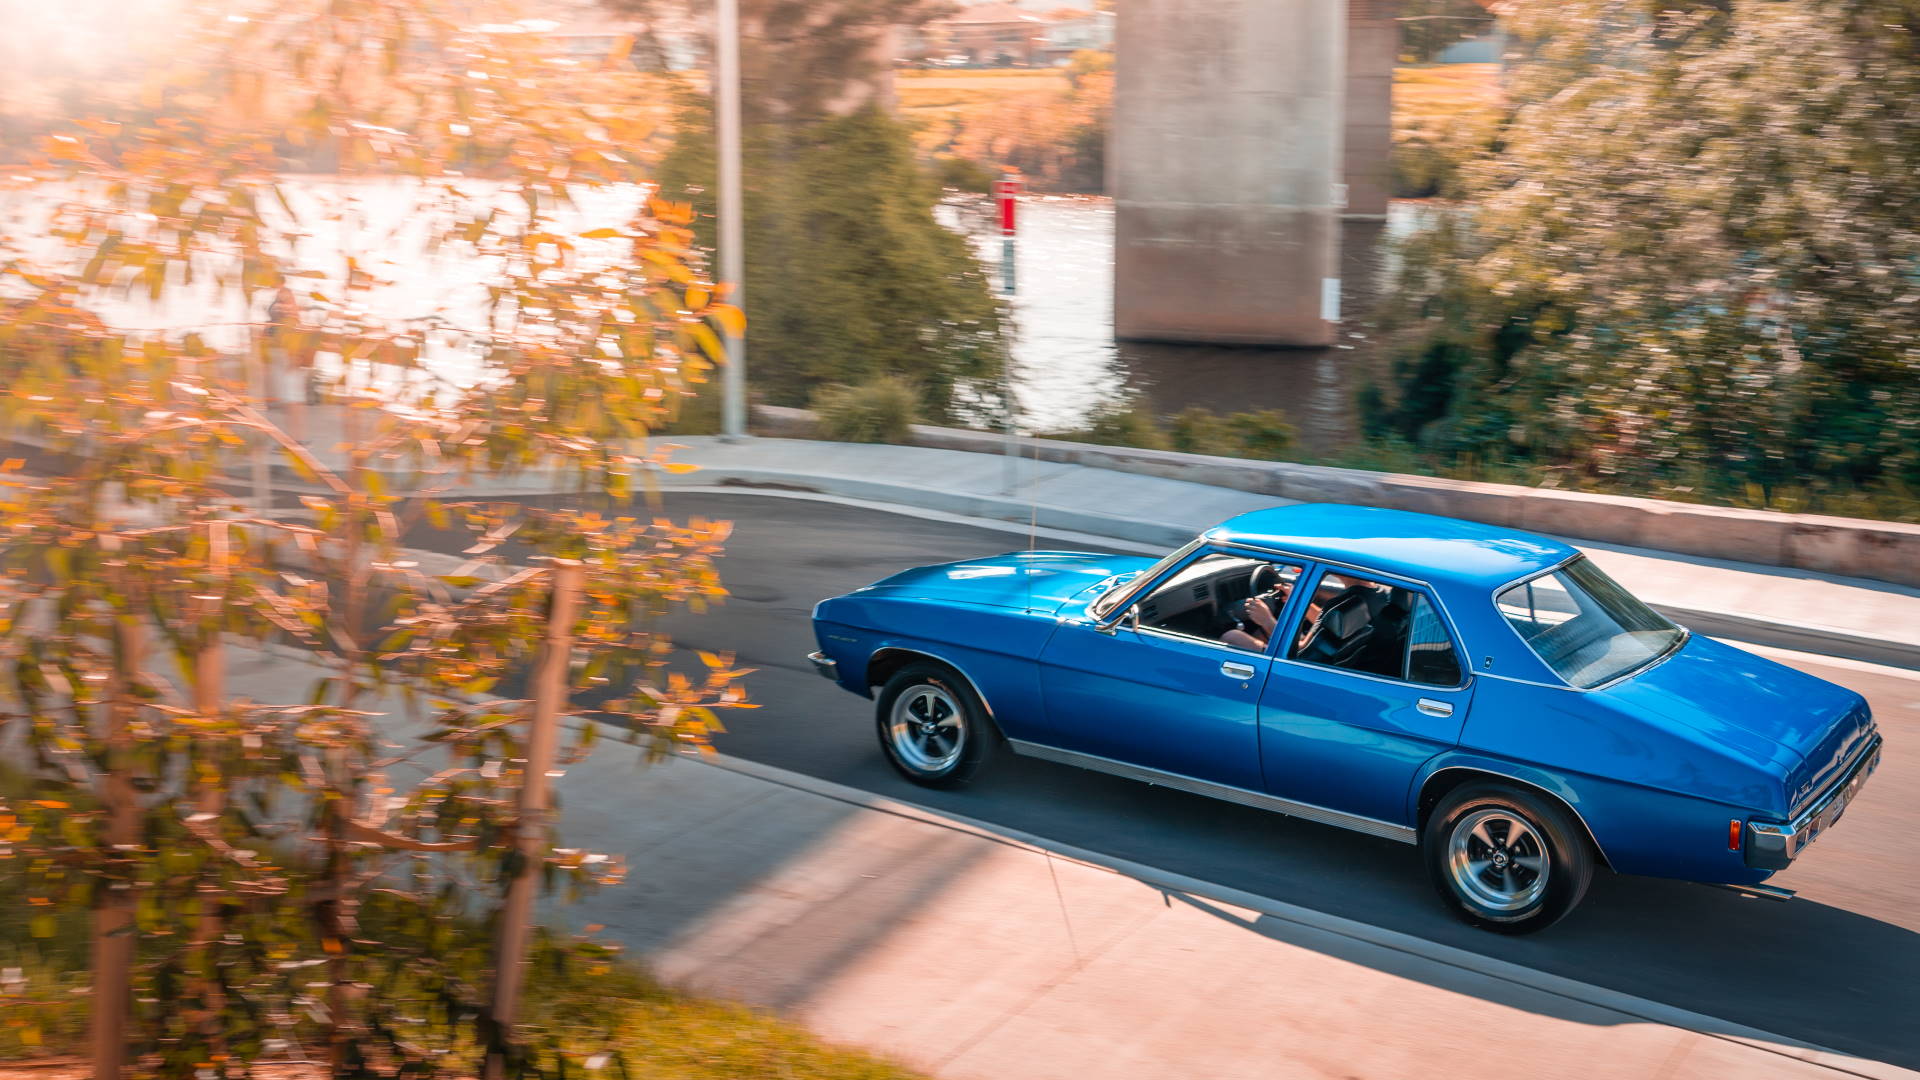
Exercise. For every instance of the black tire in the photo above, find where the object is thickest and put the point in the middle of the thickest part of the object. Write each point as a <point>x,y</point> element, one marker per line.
<point>1526,878</point>
<point>962,737</point>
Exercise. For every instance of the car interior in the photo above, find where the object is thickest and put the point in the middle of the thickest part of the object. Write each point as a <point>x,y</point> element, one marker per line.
<point>1353,623</point>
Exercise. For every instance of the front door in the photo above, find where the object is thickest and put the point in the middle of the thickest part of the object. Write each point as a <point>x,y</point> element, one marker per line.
<point>1160,689</point>
<point>1369,686</point>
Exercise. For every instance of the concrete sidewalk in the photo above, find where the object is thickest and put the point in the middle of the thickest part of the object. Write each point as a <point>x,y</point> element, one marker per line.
<point>976,953</point>
<point>1795,609</point>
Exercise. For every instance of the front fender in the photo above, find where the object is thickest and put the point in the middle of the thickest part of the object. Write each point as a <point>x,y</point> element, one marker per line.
<point>994,648</point>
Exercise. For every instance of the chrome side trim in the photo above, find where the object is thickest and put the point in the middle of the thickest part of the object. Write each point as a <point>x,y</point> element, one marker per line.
<point>1258,800</point>
<point>1772,846</point>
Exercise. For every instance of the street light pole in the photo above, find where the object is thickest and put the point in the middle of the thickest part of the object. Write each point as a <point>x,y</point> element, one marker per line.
<point>733,261</point>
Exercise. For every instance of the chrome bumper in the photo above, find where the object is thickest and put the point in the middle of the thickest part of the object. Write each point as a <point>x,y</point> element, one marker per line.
<point>825,666</point>
<point>1773,847</point>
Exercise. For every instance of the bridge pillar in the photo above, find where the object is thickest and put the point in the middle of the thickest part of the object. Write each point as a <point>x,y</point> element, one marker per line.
<point>1227,164</point>
<point>1373,48</point>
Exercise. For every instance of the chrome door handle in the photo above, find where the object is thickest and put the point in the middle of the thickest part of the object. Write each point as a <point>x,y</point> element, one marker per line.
<point>1234,670</point>
<point>1434,708</point>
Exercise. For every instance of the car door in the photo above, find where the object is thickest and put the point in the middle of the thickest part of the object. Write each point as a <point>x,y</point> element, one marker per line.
<point>1368,685</point>
<point>1155,688</point>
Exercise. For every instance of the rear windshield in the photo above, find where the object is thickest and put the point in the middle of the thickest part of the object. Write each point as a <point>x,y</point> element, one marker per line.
<point>1586,627</point>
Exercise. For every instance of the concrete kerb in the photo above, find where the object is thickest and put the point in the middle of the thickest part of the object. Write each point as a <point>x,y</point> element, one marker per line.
<point>1850,547</point>
<point>1538,981</point>
<point>1780,633</point>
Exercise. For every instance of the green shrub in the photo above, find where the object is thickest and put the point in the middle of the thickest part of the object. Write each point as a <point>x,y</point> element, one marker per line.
<point>964,174</point>
<point>1264,435</point>
<point>882,411</point>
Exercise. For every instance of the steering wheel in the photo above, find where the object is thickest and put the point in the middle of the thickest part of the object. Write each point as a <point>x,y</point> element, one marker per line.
<point>1264,579</point>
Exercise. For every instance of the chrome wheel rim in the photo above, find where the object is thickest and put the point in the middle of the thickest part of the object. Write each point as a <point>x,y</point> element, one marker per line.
<point>1498,861</point>
<point>926,729</point>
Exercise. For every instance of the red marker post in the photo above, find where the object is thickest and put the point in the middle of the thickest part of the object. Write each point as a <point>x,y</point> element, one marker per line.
<point>1007,192</point>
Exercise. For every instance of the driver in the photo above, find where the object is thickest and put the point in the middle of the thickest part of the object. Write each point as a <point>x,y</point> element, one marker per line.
<point>1263,616</point>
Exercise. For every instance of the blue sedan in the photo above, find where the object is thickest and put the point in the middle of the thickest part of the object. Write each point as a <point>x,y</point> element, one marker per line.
<point>1489,696</point>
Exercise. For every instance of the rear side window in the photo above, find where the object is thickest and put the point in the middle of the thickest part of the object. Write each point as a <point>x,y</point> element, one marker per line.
<point>1377,628</point>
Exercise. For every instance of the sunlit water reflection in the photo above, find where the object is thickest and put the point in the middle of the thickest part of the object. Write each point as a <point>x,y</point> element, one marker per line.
<point>1067,364</point>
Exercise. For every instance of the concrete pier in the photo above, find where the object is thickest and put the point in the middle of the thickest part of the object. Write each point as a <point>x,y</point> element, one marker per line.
<point>1373,47</point>
<point>1229,120</point>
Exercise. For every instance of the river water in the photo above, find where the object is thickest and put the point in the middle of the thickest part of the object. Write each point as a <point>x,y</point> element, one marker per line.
<point>1067,364</point>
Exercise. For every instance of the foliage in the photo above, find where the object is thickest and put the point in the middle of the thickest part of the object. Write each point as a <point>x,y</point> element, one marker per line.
<point>1263,435</point>
<point>1443,117</point>
<point>1427,27</point>
<point>805,60</point>
<point>1690,268</point>
<point>587,1006</point>
<point>881,411</point>
<point>241,847</point>
<point>1054,135</point>
<point>850,275</point>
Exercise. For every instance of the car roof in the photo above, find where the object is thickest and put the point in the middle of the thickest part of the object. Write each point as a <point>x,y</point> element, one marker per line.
<point>1420,546</point>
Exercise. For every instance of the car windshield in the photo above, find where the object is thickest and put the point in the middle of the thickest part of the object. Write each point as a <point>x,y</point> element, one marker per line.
<point>1112,597</point>
<point>1586,627</point>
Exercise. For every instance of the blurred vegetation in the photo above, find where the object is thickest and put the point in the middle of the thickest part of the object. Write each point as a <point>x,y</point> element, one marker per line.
<point>1427,27</point>
<point>1050,125</point>
<point>587,1006</point>
<point>1263,435</point>
<point>851,276</point>
<point>1689,266</point>
<point>254,871</point>
<point>1443,117</point>
<point>882,411</point>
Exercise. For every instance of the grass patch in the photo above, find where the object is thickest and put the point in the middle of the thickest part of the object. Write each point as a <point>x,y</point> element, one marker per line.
<point>600,1015</point>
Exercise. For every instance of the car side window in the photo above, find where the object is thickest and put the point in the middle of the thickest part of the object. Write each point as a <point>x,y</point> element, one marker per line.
<point>1376,628</point>
<point>1226,599</point>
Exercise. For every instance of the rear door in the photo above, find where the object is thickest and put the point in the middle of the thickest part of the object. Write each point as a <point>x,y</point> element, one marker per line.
<point>1369,685</point>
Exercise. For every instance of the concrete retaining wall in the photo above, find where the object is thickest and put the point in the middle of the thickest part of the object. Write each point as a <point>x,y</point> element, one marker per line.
<point>1880,550</point>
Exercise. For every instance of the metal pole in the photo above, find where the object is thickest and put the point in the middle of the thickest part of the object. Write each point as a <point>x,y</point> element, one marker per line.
<point>733,260</point>
<point>549,701</point>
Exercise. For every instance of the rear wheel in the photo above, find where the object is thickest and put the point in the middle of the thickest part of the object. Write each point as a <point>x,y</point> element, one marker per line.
<point>1505,859</point>
<point>932,726</point>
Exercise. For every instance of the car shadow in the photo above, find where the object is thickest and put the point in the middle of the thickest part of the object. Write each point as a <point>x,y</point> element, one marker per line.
<point>1800,969</point>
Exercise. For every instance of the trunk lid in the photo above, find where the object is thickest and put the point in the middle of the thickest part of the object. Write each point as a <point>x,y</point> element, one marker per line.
<point>1808,726</point>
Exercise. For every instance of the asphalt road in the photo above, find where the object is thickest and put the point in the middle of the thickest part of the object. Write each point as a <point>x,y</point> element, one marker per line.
<point>1839,967</point>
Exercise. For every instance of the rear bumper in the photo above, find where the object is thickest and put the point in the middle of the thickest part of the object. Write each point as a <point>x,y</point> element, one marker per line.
<point>1771,846</point>
<point>823,664</point>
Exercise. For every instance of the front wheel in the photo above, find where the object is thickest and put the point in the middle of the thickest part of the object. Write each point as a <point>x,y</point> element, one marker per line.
<point>932,726</point>
<point>1506,859</point>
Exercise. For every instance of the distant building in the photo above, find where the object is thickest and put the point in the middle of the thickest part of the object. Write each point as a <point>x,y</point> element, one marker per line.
<point>1070,30</point>
<point>992,35</point>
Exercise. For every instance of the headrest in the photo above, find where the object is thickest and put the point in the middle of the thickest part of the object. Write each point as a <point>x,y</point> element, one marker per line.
<point>1349,618</point>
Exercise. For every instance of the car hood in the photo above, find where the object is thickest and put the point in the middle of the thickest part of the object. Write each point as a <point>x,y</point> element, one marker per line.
<point>1040,581</point>
<point>1806,726</point>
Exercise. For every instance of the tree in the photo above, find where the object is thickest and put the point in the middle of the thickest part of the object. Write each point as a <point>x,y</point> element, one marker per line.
<point>850,274</point>
<point>257,867</point>
<point>1688,267</point>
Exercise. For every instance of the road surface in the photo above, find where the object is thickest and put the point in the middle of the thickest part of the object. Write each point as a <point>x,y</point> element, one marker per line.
<point>1839,967</point>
